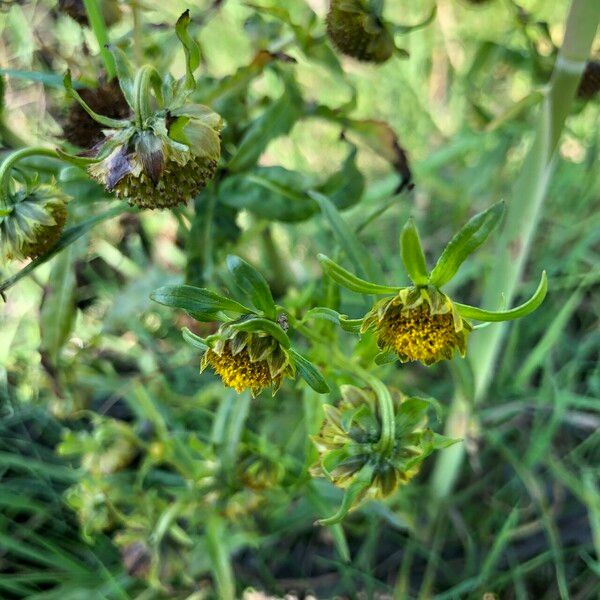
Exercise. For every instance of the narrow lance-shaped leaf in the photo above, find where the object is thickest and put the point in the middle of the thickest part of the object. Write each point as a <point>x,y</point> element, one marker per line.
<point>328,314</point>
<point>352,282</point>
<point>412,254</point>
<point>190,47</point>
<point>478,314</point>
<point>310,373</point>
<point>466,241</point>
<point>345,237</point>
<point>196,300</point>
<point>252,283</point>
<point>106,121</point>
<point>125,74</point>
<point>193,339</point>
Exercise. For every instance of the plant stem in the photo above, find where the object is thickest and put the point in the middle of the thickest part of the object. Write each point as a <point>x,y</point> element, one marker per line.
<point>523,215</point>
<point>221,565</point>
<point>13,158</point>
<point>99,28</point>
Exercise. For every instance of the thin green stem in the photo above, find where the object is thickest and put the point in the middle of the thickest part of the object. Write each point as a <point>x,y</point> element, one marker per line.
<point>523,215</point>
<point>12,159</point>
<point>138,46</point>
<point>221,565</point>
<point>98,26</point>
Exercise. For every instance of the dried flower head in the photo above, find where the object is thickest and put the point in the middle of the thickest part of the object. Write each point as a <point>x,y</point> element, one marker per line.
<point>357,32</point>
<point>79,128</point>
<point>248,360</point>
<point>168,150</point>
<point>419,324</point>
<point>32,220</point>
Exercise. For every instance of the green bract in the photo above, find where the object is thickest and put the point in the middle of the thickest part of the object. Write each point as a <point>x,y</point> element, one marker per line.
<point>31,220</point>
<point>352,455</point>
<point>420,322</point>
<point>251,350</point>
<point>169,150</point>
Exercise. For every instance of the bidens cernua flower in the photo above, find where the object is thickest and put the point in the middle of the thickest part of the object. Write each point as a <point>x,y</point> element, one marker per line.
<point>248,360</point>
<point>169,150</point>
<point>251,349</point>
<point>31,220</point>
<point>420,322</point>
<point>354,453</point>
<point>358,31</point>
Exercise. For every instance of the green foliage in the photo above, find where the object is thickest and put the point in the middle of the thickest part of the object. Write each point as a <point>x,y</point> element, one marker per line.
<point>327,187</point>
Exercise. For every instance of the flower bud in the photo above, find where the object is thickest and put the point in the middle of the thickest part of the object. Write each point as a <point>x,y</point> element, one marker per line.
<point>33,221</point>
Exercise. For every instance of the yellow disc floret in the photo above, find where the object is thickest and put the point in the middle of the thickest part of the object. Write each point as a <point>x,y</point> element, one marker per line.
<point>419,325</point>
<point>238,371</point>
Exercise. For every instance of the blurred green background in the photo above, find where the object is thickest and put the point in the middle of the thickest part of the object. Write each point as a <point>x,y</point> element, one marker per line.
<point>524,518</point>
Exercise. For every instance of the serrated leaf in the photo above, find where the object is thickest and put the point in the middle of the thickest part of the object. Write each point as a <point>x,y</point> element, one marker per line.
<point>310,373</point>
<point>196,300</point>
<point>465,242</point>
<point>251,282</point>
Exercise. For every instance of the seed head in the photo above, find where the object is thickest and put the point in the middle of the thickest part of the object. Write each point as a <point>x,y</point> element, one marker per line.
<point>358,33</point>
<point>163,164</point>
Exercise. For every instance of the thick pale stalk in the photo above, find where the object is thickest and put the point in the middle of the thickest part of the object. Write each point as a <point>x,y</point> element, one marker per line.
<point>522,218</point>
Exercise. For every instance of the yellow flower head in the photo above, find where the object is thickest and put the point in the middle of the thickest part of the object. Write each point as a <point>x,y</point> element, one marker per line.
<point>247,360</point>
<point>419,324</point>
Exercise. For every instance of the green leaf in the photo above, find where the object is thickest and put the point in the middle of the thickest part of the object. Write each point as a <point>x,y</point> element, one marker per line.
<point>277,120</point>
<point>251,282</point>
<point>412,254</point>
<point>352,282</point>
<point>191,49</point>
<point>352,496</point>
<point>125,73</point>
<point>194,340</point>
<point>57,314</point>
<point>49,79</point>
<point>310,373</point>
<point>274,193</point>
<point>106,121</point>
<point>260,324</point>
<point>328,314</point>
<point>466,241</point>
<point>478,314</point>
<point>196,300</point>
<point>403,29</point>
<point>346,186</point>
<point>346,238</point>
